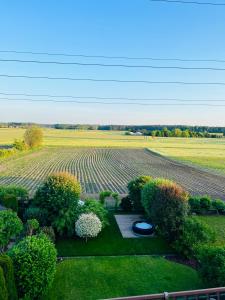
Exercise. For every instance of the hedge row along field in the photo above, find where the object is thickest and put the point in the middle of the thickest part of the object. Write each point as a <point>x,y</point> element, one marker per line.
<point>102,168</point>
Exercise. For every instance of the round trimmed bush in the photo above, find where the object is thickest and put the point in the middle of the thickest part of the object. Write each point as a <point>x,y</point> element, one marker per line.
<point>34,260</point>
<point>59,196</point>
<point>88,226</point>
<point>10,226</point>
<point>206,203</point>
<point>135,187</point>
<point>166,204</point>
<point>97,208</point>
<point>195,205</point>
<point>219,205</point>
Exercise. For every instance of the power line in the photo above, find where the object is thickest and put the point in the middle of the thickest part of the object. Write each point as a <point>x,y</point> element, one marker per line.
<point>190,2</point>
<point>113,103</point>
<point>113,57</point>
<point>113,80</point>
<point>111,98</point>
<point>111,65</point>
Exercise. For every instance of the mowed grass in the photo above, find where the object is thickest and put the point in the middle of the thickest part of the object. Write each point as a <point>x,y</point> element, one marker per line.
<point>207,153</point>
<point>102,277</point>
<point>218,224</point>
<point>79,138</point>
<point>111,242</point>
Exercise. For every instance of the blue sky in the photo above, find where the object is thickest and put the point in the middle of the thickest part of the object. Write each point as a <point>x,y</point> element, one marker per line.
<point>135,28</point>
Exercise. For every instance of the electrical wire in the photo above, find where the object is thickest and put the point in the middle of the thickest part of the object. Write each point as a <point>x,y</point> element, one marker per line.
<point>111,98</point>
<point>111,65</point>
<point>190,2</point>
<point>112,57</point>
<point>112,80</point>
<point>112,103</point>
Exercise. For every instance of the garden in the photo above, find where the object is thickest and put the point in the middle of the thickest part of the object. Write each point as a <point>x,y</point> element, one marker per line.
<point>57,246</point>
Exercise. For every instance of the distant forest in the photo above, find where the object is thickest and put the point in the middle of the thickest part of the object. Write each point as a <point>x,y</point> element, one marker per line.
<point>153,130</point>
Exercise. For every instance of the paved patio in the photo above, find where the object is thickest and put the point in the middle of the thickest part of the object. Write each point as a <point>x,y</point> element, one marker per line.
<point>125,224</point>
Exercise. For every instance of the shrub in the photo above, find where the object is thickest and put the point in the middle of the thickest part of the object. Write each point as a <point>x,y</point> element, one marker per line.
<point>126,204</point>
<point>103,195</point>
<point>37,213</point>
<point>135,187</point>
<point>10,226</point>
<point>88,226</point>
<point>148,194</point>
<point>95,207</point>
<point>192,234</point>
<point>4,153</point>
<point>49,232</point>
<point>3,289</point>
<point>166,203</point>
<point>117,200</point>
<point>219,205</point>
<point>34,260</point>
<point>32,225</point>
<point>9,201</point>
<point>19,192</point>
<point>195,205</point>
<point>212,265</point>
<point>7,267</point>
<point>33,137</point>
<point>59,196</point>
<point>12,196</point>
<point>19,145</point>
<point>206,203</point>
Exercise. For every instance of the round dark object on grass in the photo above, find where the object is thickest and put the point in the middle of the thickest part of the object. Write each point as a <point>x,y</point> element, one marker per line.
<point>143,228</point>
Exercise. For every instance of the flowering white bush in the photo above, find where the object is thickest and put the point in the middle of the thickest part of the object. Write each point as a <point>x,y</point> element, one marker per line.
<point>88,226</point>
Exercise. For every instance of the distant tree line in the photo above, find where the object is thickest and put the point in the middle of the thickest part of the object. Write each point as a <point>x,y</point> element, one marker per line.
<point>153,130</point>
<point>177,132</point>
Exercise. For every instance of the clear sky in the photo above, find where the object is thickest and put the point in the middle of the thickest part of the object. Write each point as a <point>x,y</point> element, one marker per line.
<point>133,28</point>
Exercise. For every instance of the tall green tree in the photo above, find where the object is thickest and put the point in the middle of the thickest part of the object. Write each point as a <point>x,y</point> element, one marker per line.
<point>33,137</point>
<point>59,196</point>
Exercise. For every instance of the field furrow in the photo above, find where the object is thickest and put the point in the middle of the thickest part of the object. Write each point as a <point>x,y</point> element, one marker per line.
<point>103,168</point>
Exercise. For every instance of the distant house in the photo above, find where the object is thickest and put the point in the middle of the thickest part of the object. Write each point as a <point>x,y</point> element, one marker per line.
<point>138,133</point>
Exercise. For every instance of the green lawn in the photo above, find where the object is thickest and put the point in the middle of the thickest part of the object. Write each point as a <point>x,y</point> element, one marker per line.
<point>218,224</point>
<point>110,242</point>
<point>99,278</point>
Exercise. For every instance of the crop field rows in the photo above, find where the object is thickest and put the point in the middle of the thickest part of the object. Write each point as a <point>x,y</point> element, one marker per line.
<point>102,168</point>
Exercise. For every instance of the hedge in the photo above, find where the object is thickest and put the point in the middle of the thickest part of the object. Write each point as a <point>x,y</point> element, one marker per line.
<point>7,267</point>
<point>3,289</point>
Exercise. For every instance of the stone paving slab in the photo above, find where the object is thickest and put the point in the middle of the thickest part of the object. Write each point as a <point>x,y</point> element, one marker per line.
<point>125,224</point>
